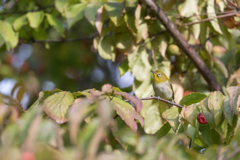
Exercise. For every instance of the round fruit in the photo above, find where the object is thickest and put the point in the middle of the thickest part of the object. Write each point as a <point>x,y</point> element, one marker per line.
<point>173,49</point>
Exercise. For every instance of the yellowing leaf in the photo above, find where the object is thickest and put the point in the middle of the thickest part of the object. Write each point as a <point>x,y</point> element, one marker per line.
<point>212,14</point>
<point>234,98</point>
<point>190,114</point>
<point>56,106</point>
<point>9,36</point>
<point>215,105</point>
<point>171,116</point>
<point>142,32</point>
<point>35,18</point>
<point>19,22</point>
<point>188,8</point>
<point>153,121</point>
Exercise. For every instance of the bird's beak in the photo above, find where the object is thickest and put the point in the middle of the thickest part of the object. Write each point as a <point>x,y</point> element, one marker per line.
<point>153,72</point>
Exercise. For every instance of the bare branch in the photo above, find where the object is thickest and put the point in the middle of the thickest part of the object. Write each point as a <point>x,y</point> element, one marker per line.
<point>160,99</point>
<point>210,19</point>
<point>183,44</point>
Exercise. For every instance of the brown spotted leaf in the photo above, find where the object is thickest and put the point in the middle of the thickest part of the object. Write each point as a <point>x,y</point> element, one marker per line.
<point>136,101</point>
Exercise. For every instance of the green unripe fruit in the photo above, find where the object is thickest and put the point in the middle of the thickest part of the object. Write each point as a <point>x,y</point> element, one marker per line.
<point>173,50</point>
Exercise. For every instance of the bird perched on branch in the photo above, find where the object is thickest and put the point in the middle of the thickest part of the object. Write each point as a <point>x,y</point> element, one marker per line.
<point>162,86</point>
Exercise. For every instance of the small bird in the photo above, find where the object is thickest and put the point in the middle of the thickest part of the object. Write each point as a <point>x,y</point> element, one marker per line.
<point>162,86</point>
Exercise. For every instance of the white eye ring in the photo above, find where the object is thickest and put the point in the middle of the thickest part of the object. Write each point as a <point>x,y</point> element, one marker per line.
<point>159,74</point>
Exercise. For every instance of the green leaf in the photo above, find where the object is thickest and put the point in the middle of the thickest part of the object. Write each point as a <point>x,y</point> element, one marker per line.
<point>190,114</point>
<point>215,105</point>
<point>227,111</point>
<point>208,135</point>
<point>60,4</point>
<point>74,13</point>
<point>125,42</point>
<point>230,130</point>
<point>192,98</point>
<point>87,133</point>
<point>132,17</point>
<point>55,23</point>
<point>142,32</point>
<point>207,114</point>
<point>160,44</point>
<point>91,11</point>
<point>123,67</point>
<point>19,22</point>
<point>139,64</point>
<point>1,41</point>
<point>127,113</point>
<point>195,28</point>
<point>106,48</point>
<point>220,66</point>
<point>171,116</point>
<point>9,36</point>
<point>35,18</point>
<point>222,128</point>
<point>39,34</point>
<point>234,96</point>
<point>115,11</point>
<point>163,130</point>
<point>212,14</point>
<point>153,121</point>
<point>56,106</point>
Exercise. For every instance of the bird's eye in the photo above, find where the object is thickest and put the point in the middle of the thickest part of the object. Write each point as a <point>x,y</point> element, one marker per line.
<point>159,74</point>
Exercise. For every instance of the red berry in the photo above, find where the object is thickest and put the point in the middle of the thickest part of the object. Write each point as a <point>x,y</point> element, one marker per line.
<point>201,119</point>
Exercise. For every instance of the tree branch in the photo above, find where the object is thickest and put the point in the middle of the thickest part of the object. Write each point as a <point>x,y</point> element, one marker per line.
<point>209,19</point>
<point>182,43</point>
<point>160,99</point>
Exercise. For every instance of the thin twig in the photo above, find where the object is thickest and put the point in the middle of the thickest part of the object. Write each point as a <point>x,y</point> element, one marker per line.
<point>236,7</point>
<point>210,19</point>
<point>24,12</point>
<point>62,40</point>
<point>152,38</point>
<point>160,99</point>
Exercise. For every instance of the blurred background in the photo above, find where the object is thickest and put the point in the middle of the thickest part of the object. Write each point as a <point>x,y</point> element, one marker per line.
<point>70,66</point>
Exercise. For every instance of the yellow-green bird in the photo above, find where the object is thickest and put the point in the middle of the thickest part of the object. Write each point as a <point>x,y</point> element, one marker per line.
<point>162,86</point>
